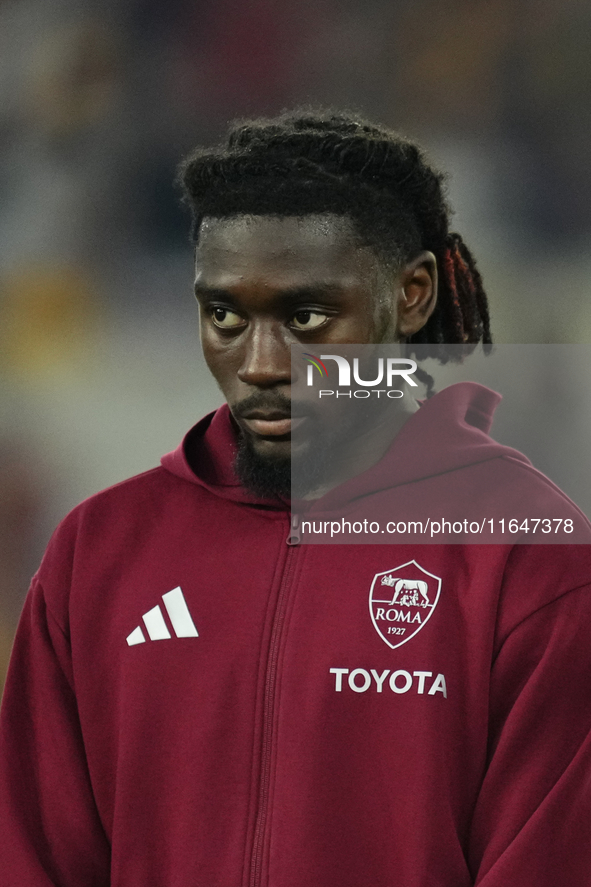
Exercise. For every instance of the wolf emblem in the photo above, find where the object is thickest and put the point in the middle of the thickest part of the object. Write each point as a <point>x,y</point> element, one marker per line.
<point>408,592</point>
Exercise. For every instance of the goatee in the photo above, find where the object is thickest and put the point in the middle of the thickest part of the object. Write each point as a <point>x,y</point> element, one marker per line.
<point>266,477</point>
<point>281,478</point>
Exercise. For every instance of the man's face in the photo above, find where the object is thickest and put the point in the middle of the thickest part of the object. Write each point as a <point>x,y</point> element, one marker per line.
<point>264,283</point>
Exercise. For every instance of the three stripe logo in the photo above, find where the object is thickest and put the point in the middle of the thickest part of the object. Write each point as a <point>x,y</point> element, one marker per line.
<point>178,613</point>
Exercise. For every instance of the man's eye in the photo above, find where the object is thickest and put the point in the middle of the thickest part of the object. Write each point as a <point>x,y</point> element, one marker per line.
<point>308,320</point>
<point>226,319</point>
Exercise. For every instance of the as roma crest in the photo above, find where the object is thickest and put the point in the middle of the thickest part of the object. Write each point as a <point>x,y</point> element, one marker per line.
<point>401,602</point>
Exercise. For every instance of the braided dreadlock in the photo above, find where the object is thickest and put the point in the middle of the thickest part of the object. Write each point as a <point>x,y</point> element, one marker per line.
<point>312,162</point>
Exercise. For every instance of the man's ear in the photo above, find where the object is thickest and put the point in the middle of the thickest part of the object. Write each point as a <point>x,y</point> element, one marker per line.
<point>417,295</point>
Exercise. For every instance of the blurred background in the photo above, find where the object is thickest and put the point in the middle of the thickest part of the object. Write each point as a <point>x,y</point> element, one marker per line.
<point>100,368</point>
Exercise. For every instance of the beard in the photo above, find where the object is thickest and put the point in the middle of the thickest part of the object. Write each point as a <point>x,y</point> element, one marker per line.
<point>317,447</point>
<point>284,477</point>
<point>266,477</point>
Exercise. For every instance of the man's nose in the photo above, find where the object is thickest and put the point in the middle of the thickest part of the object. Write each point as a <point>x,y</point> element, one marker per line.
<point>267,358</point>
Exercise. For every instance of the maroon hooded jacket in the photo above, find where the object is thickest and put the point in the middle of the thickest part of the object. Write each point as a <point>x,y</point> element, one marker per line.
<point>191,701</point>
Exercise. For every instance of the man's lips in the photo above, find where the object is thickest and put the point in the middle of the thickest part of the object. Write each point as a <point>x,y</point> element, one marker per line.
<point>270,424</point>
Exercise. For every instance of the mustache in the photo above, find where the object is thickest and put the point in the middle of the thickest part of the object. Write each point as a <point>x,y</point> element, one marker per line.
<point>270,401</point>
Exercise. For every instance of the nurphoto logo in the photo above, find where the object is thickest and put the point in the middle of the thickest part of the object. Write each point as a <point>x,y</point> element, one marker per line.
<point>388,371</point>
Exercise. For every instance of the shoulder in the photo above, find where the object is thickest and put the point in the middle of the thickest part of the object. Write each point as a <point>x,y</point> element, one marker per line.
<point>539,510</point>
<point>537,576</point>
<point>117,525</point>
<point>150,488</point>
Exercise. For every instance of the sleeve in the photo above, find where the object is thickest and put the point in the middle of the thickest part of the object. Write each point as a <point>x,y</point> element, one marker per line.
<point>50,830</point>
<point>532,821</point>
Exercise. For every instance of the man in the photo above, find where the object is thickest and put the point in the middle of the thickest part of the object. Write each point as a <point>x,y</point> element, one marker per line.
<point>194,701</point>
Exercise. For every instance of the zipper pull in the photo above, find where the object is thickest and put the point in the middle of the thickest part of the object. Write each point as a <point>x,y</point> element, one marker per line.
<point>294,537</point>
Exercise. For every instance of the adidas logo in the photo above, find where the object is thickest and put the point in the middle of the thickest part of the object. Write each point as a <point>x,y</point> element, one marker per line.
<point>178,613</point>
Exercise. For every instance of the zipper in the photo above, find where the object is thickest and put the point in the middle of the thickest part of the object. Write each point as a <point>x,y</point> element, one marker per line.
<point>256,862</point>
<point>294,537</point>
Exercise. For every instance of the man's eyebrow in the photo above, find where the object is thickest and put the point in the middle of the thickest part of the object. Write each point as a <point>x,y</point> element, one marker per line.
<point>310,291</point>
<point>210,292</point>
<point>287,294</point>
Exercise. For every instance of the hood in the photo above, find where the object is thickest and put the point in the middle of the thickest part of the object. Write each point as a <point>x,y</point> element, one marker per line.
<point>206,457</point>
<point>448,432</point>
